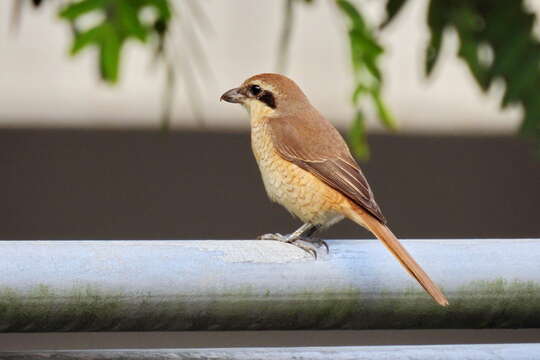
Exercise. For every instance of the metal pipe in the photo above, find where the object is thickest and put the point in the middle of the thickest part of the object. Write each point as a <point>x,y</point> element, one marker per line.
<point>246,285</point>
<point>427,352</point>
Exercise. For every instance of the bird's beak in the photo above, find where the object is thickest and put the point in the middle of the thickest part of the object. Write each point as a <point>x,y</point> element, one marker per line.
<point>233,96</point>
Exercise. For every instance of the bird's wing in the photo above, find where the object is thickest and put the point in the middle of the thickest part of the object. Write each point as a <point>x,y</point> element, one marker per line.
<point>312,143</point>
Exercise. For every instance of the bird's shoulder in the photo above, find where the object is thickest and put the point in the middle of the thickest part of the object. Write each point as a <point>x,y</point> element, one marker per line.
<point>309,135</point>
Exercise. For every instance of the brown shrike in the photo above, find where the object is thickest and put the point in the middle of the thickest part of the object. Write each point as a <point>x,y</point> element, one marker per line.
<point>307,167</point>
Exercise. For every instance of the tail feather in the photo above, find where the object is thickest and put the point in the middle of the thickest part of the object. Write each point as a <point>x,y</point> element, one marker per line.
<point>384,234</point>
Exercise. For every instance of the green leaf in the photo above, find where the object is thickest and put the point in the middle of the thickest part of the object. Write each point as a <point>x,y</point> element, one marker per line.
<point>508,56</point>
<point>357,137</point>
<point>364,42</point>
<point>392,9</point>
<point>354,16</point>
<point>360,90</point>
<point>432,52</point>
<point>523,81</point>
<point>76,9</point>
<point>82,40</point>
<point>373,68</point>
<point>506,28</point>
<point>130,22</point>
<point>437,20</point>
<point>365,53</point>
<point>110,54</point>
<point>121,22</point>
<point>469,51</point>
<point>383,113</point>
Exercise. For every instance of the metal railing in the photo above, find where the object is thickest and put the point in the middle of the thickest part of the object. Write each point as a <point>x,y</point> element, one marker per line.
<point>247,285</point>
<point>424,352</point>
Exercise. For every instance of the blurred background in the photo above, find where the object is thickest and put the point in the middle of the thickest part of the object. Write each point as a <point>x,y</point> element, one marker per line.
<point>126,138</point>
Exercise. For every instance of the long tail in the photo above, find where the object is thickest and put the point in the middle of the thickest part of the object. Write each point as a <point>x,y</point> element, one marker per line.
<point>384,234</point>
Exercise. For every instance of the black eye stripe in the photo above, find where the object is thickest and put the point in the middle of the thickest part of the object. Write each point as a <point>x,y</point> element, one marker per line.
<point>268,98</point>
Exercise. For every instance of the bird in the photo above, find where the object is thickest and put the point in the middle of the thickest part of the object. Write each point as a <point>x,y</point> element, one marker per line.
<point>307,167</point>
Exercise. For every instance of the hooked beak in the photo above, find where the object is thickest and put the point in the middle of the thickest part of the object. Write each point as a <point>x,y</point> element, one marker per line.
<point>233,96</point>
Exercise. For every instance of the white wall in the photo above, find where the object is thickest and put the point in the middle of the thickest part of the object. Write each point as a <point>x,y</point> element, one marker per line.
<point>40,85</point>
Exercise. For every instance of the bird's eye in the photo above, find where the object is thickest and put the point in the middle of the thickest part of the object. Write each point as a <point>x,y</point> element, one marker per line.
<point>255,90</point>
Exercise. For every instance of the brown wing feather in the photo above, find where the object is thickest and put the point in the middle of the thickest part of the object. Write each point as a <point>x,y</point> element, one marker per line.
<point>312,143</point>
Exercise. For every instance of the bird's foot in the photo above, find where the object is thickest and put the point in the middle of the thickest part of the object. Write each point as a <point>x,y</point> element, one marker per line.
<point>317,242</point>
<point>308,244</point>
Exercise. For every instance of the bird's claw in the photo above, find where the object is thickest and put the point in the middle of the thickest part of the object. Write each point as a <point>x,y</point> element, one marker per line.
<point>317,242</point>
<point>306,246</point>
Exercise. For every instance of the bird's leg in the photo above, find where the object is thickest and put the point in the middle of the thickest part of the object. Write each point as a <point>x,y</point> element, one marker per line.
<point>301,238</point>
<point>310,230</point>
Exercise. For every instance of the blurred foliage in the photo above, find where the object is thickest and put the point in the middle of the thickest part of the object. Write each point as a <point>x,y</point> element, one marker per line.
<point>124,20</point>
<point>365,52</point>
<point>121,21</point>
<point>496,41</point>
<point>498,44</point>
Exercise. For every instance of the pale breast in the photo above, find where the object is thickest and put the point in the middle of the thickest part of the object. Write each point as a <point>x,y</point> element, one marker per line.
<point>289,185</point>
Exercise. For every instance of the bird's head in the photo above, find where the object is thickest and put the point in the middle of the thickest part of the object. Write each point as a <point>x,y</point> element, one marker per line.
<point>269,93</point>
